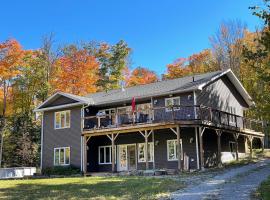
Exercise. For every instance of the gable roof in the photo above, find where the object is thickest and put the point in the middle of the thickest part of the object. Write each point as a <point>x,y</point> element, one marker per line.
<point>79,101</point>
<point>179,85</point>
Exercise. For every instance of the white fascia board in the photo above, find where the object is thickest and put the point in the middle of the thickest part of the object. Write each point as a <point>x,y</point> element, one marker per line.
<point>200,87</point>
<point>65,95</point>
<point>59,107</point>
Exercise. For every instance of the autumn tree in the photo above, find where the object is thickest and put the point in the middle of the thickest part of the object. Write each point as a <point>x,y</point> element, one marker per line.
<point>113,61</point>
<point>141,76</point>
<point>76,71</point>
<point>10,55</point>
<point>227,45</point>
<point>176,70</point>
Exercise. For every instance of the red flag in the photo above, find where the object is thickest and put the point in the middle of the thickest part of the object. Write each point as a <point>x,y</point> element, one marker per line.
<point>133,105</point>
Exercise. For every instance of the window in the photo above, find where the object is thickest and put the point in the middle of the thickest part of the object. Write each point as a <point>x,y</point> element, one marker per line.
<point>172,150</point>
<point>142,152</point>
<point>105,154</point>
<point>62,119</point>
<point>232,146</point>
<point>173,101</point>
<point>62,156</point>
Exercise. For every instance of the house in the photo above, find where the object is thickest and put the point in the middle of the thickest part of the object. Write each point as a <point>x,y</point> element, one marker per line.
<point>186,123</point>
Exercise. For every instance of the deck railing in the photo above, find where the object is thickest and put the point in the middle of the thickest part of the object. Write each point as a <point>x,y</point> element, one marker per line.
<point>169,114</point>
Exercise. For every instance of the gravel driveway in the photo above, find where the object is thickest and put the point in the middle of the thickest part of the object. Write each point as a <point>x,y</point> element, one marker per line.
<point>237,183</point>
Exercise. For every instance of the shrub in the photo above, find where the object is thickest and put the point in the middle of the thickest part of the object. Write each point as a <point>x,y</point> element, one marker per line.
<point>61,170</point>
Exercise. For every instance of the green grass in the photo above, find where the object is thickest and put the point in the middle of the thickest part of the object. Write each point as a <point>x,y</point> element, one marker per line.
<point>263,192</point>
<point>89,188</point>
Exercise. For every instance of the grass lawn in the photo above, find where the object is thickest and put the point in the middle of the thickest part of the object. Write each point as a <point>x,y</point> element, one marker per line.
<point>263,192</point>
<point>89,188</point>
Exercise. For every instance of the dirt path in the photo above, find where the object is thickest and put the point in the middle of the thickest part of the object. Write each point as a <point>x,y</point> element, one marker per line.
<point>237,183</point>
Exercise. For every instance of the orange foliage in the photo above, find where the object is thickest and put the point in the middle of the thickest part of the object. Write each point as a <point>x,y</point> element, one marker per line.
<point>197,63</point>
<point>141,76</point>
<point>76,73</point>
<point>10,57</point>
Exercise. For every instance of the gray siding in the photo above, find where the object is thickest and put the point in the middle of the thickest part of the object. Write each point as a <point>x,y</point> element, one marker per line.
<point>68,137</point>
<point>186,99</point>
<point>160,148</point>
<point>220,95</point>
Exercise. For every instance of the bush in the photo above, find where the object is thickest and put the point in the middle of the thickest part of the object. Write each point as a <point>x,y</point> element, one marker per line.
<point>61,170</point>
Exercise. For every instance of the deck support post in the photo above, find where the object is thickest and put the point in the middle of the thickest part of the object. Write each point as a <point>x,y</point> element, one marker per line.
<point>113,137</point>
<point>236,136</point>
<point>197,148</point>
<point>250,139</point>
<point>85,140</point>
<point>179,148</point>
<point>146,134</point>
<point>262,141</point>
<point>178,144</point>
<point>219,163</point>
<point>201,131</point>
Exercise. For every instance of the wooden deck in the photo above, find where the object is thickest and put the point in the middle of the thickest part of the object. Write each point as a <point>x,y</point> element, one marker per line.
<point>169,124</point>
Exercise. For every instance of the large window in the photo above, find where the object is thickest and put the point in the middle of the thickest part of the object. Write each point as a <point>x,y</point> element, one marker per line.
<point>62,156</point>
<point>172,150</point>
<point>62,119</point>
<point>105,154</point>
<point>173,101</point>
<point>142,152</point>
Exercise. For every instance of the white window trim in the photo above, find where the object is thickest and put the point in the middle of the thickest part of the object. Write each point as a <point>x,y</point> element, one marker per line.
<point>171,98</point>
<point>59,148</point>
<point>145,153</point>
<point>104,147</point>
<point>175,142</point>
<point>62,127</point>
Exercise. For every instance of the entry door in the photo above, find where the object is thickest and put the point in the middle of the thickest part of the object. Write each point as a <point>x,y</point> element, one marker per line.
<point>131,154</point>
<point>122,158</point>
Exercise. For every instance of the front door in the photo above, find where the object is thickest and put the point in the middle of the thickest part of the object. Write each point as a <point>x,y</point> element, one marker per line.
<point>131,154</point>
<point>122,158</point>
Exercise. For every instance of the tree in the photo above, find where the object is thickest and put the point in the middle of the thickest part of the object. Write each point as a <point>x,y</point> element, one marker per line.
<point>227,45</point>
<point>76,72</point>
<point>176,69</point>
<point>141,76</point>
<point>10,55</point>
<point>113,61</point>
<point>257,57</point>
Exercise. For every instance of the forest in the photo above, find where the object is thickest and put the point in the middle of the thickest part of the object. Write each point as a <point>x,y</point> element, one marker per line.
<point>28,77</point>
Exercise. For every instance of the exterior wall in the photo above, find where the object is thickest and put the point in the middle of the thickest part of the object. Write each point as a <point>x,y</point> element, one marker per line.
<point>210,147</point>
<point>68,137</point>
<point>186,99</point>
<point>220,95</point>
<point>160,149</point>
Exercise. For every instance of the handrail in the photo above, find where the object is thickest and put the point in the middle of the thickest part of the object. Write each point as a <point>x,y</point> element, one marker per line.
<point>169,113</point>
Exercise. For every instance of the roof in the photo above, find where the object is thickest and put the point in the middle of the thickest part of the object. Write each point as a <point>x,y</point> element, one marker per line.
<point>183,84</point>
<point>79,101</point>
<point>179,85</point>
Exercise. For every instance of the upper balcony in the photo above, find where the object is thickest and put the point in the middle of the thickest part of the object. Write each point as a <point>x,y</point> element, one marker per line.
<point>146,115</point>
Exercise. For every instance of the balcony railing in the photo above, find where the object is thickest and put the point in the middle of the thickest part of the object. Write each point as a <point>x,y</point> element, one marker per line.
<point>201,114</point>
